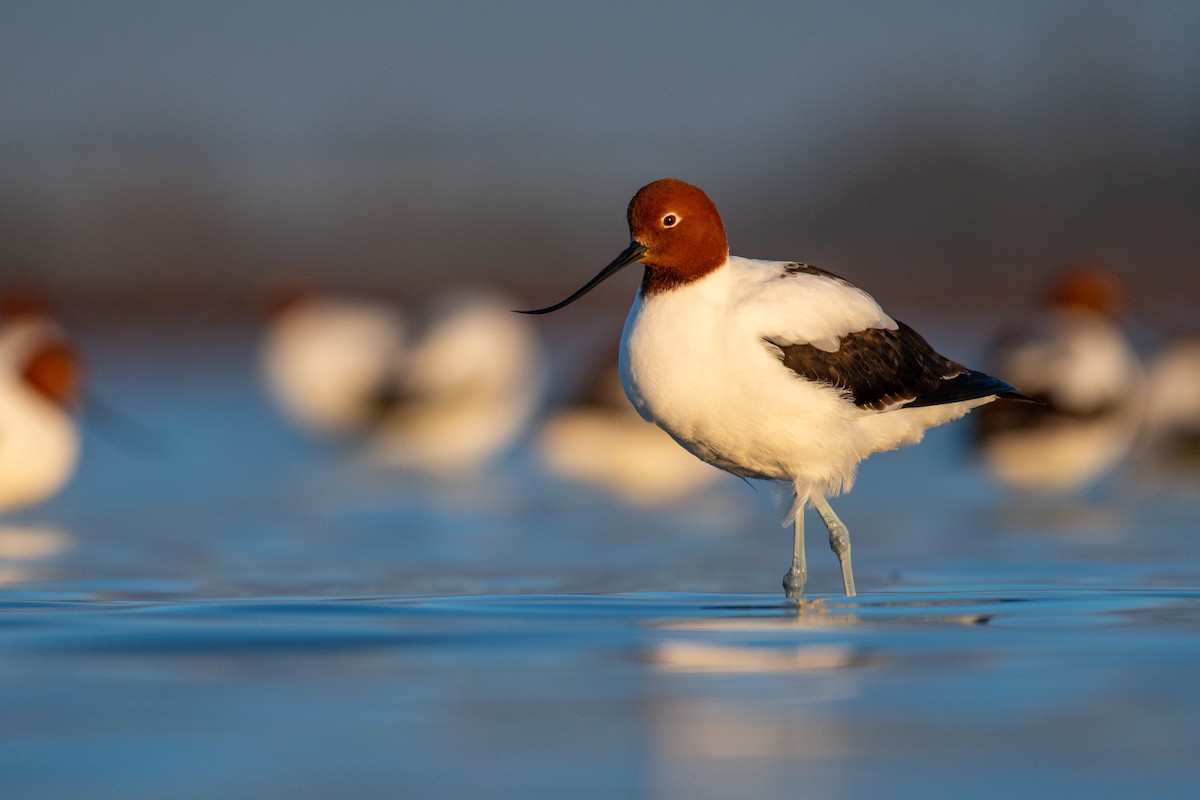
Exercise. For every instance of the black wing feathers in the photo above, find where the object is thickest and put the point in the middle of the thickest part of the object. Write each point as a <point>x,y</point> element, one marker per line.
<point>881,367</point>
<point>968,386</point>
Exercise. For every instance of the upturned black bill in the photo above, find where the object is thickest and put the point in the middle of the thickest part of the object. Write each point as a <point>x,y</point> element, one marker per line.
<point>631,254</point>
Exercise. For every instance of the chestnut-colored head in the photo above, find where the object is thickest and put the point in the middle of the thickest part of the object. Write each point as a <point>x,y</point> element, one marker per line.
<point>1088,286</point>
<point>677,234</point>
<point>681,230</point>
<point>53,370</point>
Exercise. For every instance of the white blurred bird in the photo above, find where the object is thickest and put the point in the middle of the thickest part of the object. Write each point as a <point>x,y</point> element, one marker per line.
<point>600,440</point>
<point>39,389</point>
<point>1074,357</point>
<point>466,387</point>
<point>325,358</point>
<point>1171,424</point>
<point>442,390</point>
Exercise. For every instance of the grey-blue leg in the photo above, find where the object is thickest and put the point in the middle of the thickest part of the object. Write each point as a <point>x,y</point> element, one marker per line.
<point>793,582</point>
<point>839,540</point>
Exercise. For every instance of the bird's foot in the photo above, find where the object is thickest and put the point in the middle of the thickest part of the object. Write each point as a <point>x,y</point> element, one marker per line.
<point>793,583</point>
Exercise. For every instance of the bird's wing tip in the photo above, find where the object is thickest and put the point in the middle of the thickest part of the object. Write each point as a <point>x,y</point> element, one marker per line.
<point>1014,395</point>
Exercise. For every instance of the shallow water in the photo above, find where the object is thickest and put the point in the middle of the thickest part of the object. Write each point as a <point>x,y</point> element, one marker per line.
<point>225,609</point>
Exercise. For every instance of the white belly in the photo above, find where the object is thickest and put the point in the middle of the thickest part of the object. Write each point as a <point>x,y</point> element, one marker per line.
<point>723,396</point>
<point>39,446</point>
<point>705,375</point>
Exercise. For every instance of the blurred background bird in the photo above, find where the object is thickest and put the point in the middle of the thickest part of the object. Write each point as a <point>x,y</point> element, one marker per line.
<point>1170,440</point>
<point>325,357</point>
<point>40,386</point>
<point>439,389</point>
<point>598,439</point>
<point>1072,355</point>
<point>466,388</point>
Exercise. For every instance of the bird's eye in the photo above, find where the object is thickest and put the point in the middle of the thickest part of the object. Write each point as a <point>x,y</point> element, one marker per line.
<point>670,221</point>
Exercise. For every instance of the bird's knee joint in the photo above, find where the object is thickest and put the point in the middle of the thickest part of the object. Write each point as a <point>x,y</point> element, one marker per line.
<point>839,539</point>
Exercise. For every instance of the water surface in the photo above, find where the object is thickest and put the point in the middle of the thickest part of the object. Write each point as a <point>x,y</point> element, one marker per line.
<point>233,611</point>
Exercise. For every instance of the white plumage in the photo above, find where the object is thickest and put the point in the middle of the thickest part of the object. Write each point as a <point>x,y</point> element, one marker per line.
<point>601,440</point>
<point>1171,433</point>
<point>325,357</point>
<point>695,361</point>
<point>39,436</point>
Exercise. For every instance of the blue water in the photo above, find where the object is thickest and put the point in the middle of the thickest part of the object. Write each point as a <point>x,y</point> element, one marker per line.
<point>224,609</point>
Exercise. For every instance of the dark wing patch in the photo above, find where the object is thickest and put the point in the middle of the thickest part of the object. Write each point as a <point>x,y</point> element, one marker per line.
<point>881,367</point>
<point>969,386</point>
<point>796,268</point>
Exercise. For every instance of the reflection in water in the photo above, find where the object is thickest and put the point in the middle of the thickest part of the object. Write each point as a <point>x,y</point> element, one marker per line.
<point>749,695</point>
<point>690,734</point>
<point>21,548</point>
<point>779,643</point>
<point>726,658</point>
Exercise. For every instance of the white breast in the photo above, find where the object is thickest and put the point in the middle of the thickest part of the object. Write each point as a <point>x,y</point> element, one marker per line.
<point>693,360</point>
<point>39,440</point>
